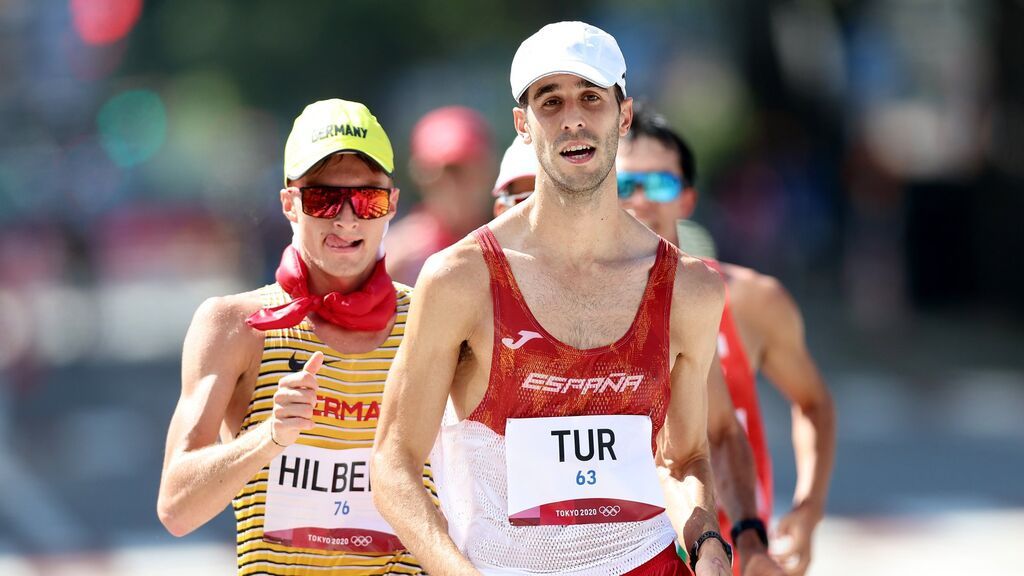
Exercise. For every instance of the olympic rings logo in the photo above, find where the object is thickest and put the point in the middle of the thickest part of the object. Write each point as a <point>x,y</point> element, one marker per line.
<point>609,510</point>
<point>361,540</point>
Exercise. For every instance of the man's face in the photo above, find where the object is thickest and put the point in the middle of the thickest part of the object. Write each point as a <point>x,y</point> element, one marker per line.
<point>574,127</point>
<point>646,154</point>
<point>343,246</point>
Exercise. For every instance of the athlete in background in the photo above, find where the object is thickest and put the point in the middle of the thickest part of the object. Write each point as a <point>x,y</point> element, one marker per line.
<point>762,330</point>
<point>452,163</point>
<point>516,176</point>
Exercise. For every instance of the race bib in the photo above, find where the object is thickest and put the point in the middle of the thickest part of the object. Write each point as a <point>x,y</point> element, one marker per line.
<point>581,470</point>
<point>321,499</point>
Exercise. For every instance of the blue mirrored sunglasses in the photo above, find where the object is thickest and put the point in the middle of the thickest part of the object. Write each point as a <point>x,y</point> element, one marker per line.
<point>657,186</point>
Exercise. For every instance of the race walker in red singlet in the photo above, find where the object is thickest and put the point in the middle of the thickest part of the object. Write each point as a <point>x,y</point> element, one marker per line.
<point>761,330</point>
<point>581,453</point>
<point>553,472</point>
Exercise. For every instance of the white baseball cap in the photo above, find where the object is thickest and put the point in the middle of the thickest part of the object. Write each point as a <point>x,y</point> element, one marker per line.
<point>519,161</point>
<point>568,48</point>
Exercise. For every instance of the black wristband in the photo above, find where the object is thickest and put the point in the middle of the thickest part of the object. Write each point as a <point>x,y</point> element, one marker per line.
<point>754,524</point>
<point>700,540</point>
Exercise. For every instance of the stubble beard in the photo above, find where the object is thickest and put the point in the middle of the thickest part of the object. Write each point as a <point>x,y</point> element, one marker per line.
<point>579,188</point>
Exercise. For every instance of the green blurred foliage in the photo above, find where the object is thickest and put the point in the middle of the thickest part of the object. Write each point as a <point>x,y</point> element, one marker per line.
<point>284,53</point>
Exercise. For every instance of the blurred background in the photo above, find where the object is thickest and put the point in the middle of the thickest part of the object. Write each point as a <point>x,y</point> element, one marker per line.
<point>870,154</point>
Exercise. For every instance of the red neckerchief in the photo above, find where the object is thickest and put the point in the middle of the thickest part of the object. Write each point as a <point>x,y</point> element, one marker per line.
<point>368,309</point>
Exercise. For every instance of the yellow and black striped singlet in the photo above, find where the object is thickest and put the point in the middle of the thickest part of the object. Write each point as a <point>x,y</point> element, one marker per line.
<point>355,381</point>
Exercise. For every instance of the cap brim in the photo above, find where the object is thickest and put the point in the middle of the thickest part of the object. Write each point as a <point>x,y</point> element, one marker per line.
<point>576,68</point>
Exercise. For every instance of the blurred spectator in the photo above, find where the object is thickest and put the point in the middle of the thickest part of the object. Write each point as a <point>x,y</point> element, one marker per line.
<point>516,177</point>
<point>452,163</point>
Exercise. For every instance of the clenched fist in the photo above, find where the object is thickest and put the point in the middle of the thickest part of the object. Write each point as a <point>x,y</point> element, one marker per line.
<point>791,546</point>
<point>294,402</point>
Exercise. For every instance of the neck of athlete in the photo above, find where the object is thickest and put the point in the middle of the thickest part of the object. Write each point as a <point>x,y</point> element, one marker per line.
<point>576,227</point>
<point>338,338</point>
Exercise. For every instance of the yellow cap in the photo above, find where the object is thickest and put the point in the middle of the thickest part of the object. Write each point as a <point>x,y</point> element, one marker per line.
<point>330,126</point>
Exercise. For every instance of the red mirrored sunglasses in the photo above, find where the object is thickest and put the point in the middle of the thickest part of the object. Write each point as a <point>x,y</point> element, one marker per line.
<point>327,201</point>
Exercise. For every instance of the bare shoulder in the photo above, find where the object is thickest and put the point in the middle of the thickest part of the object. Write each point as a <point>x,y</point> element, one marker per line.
<point>459,267</point>
<point>453,288</point>
<point>697,284</point>
<point>697,298</point>
<point>750,284</point>
<point>758,296</point>
<point>218,328</point>
<point>228,311</point>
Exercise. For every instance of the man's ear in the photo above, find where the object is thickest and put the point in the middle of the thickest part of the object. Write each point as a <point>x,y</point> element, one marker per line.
<point>687,202</point>
<point>625,116</point>
<point>520,121</point>
<point>394,202</point>
<point>288,204</point>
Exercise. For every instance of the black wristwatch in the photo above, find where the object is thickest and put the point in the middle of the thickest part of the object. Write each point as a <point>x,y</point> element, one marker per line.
<point>754,524</point>
<point>700,540</point>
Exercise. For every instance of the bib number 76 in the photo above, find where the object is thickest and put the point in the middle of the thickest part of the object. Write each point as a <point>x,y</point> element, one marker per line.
<point>341,507</point>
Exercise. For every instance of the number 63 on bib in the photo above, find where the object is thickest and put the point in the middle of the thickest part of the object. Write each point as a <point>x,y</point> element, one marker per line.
<point>581,470</point>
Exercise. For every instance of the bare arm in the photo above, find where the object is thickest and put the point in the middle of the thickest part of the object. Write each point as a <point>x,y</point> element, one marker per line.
<point>735,474</point>
<point>441,318</point>
<point>788,364</point>
<point>683,459</point>
<point>731,456</point>
<point>200,477</point>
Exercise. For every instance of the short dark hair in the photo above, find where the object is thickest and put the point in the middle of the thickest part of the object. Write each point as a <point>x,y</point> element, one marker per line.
<point>523,101</point>
<point>649,123</point>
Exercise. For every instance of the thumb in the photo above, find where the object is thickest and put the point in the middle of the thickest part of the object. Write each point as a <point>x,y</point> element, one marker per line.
<point>314,363</point>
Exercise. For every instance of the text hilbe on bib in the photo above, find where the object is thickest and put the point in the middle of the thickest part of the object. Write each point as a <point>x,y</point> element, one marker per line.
<point>321,499</point>
<point>581,470</point>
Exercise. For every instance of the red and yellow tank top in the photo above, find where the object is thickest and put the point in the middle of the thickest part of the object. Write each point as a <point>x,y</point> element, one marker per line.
<point>742,384</point>
<point>351,388</point>
<point>533,375</point>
